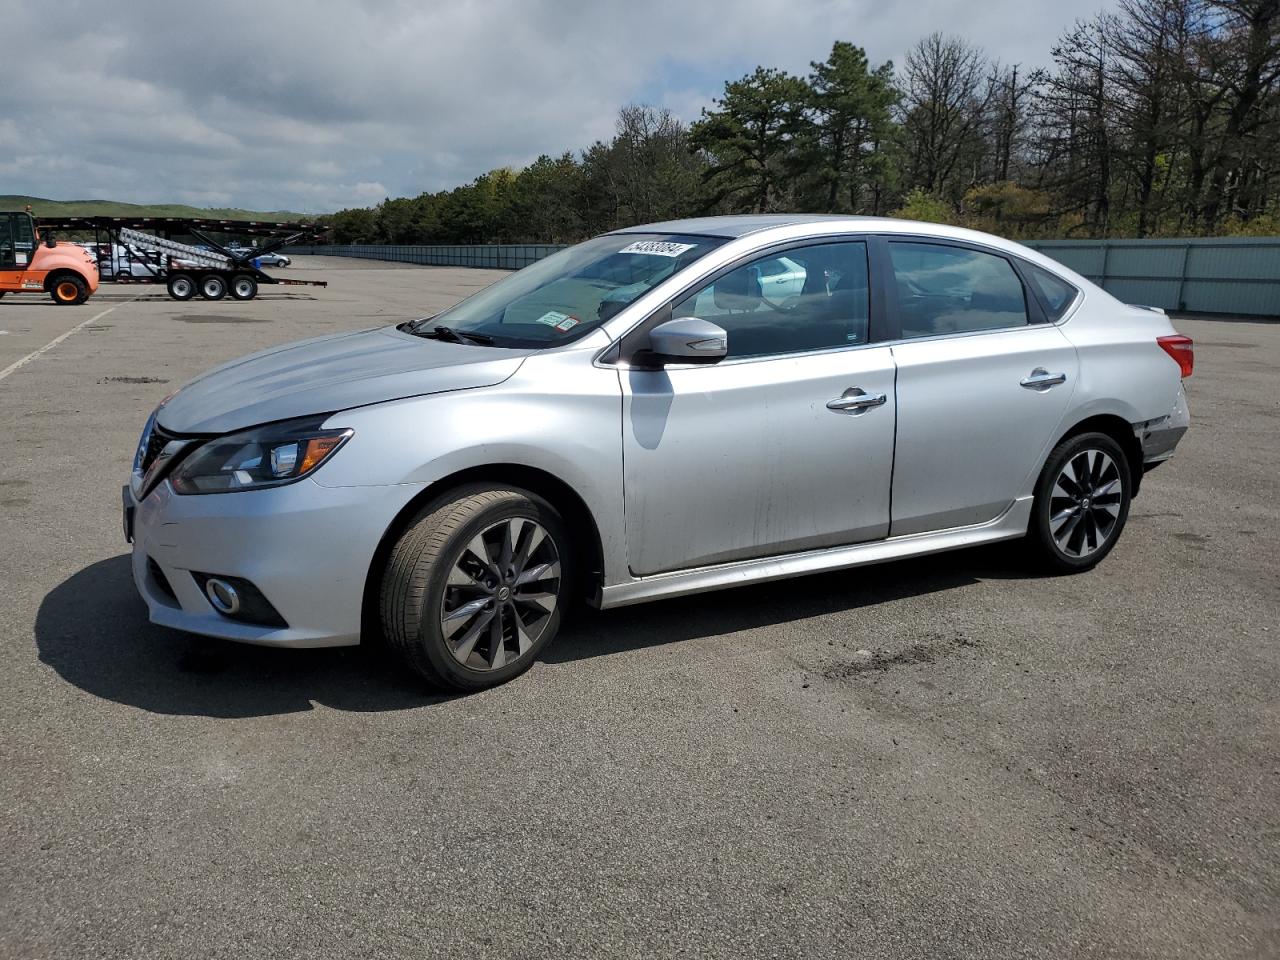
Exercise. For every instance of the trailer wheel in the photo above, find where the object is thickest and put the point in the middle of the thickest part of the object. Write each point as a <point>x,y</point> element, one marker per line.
<point>244,287</point>
<point>181,287</point>
<point>67,291</point>
<point>213,287</point>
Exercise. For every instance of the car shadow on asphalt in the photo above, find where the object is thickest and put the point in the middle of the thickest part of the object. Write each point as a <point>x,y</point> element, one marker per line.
<point>93,630</point>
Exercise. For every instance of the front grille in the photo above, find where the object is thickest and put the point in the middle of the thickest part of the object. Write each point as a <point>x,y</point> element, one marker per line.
<point>155,443</point>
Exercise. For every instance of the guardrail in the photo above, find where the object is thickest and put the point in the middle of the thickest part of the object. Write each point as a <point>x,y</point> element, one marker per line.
<point>1233,275</point>
<point>494,256</point>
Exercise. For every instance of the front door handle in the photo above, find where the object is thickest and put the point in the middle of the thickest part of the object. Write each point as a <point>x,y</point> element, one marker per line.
<point>1042,379</point>
<point>855,400</point>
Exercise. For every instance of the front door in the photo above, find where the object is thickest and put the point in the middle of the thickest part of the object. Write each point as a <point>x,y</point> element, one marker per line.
<point>786,445</point>
<point>17,247</point>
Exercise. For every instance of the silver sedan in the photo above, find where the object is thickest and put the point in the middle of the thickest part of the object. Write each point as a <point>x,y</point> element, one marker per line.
<point>635,418</point>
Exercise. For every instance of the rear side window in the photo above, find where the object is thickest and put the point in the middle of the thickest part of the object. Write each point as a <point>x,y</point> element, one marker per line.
<point>1056,292</point>
<point>944,289</point>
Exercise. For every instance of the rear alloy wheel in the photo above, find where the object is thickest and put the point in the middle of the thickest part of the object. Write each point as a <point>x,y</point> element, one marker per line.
<point>1082,502</point>
<point>244,287</point>
<point>69,291</point>
<point>474,589</point>
<point>181,287</point>
<point>212,287</point>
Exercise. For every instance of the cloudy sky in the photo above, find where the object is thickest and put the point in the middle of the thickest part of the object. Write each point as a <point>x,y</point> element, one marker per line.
<point>313,106</point>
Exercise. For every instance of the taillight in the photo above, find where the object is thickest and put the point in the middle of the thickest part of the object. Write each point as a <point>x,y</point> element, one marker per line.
<point>1183,351</point>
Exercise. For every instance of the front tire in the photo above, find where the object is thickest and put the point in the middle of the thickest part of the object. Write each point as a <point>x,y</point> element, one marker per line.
<point>1081,503</point>
<point>474,588</point>
<point>68,291</point>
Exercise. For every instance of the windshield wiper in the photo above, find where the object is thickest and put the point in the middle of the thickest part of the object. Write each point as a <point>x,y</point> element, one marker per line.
<point>455,336</point>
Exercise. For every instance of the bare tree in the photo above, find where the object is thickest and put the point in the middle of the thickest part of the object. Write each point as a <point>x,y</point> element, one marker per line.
<point>945,99</point>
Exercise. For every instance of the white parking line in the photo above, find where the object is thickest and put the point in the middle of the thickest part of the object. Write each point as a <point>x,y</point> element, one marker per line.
<point>18,365</point>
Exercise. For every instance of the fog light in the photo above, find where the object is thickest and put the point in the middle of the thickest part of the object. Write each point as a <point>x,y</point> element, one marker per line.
<point>239,599</point>
<point>224,597</point>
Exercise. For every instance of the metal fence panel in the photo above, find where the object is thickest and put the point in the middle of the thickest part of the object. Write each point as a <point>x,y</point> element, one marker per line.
<point>1235,275</point>
<point>490,256</point>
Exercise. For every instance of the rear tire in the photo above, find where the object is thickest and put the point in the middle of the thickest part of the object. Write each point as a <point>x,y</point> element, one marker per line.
<point>474,588</point>
<point>181,287</point>
<point>68,291</point>
<point>1081,503</point>
<point>243,287</point>
<point>213,287</point>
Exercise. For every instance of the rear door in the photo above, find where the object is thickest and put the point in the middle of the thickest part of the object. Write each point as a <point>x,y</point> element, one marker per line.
<point>983,383</point>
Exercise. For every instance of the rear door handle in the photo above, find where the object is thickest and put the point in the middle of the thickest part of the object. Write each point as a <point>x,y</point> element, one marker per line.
<point>1042,379</point>
<point>856,400</point>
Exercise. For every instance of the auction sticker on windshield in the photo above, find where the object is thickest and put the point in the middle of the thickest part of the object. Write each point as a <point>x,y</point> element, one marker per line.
<point>657,248</point>
<point>561,321</point>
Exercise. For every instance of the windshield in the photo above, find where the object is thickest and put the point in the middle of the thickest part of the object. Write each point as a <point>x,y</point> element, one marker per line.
<point>570,293</point>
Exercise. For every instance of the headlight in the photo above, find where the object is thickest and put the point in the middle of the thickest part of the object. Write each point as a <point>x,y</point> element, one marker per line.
<point>269,456</point>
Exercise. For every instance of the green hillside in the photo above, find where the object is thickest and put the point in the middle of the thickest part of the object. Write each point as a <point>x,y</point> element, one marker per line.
<point>111,208</point>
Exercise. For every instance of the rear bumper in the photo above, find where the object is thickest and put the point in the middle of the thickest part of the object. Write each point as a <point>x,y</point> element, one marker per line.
<point>1159,437</point>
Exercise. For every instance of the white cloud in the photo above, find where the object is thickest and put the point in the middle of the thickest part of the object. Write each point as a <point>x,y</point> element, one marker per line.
<point>343,102</point>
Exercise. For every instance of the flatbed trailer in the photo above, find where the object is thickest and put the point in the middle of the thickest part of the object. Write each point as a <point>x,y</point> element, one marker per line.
<point>187,270</point>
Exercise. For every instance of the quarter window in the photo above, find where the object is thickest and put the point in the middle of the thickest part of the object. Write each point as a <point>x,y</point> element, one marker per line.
<point>1057,293</point>
<point>808,298</point>
<point>944,289</point>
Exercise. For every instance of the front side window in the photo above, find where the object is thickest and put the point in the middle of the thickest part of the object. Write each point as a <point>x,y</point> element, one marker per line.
<point>24,237</point>
<point>944,289</point>
<point>806,298</point>
<point>572,292</point>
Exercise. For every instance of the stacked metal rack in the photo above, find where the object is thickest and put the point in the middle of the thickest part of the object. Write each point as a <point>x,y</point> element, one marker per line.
<point>211,270</point>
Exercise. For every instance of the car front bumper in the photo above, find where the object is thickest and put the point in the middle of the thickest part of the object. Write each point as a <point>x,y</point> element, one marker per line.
<point>307,549</point>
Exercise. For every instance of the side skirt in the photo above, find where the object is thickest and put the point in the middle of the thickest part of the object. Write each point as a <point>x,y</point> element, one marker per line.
<point>1008,526</point>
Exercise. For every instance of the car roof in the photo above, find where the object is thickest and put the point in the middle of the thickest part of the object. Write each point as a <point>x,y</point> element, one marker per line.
<point>740,225</point>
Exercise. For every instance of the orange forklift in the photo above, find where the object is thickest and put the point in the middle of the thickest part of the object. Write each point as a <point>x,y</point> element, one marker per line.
<point>32,263</point>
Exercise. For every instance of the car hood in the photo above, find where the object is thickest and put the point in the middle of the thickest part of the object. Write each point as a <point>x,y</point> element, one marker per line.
<point>331,373</point>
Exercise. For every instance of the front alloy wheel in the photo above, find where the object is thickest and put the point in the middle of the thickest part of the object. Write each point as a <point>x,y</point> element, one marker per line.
<point>501,594</point>
<point>1081,503</point>
<point>475,586</point>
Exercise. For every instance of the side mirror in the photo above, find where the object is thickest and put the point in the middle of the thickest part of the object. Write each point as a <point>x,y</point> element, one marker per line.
<point>49,239</point>
<point>687,340</point>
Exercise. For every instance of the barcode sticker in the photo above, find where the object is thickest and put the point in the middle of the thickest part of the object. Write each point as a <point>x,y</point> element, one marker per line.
<point>657,248</point>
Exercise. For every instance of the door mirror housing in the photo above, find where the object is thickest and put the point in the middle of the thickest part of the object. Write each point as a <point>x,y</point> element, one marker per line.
<point>686,340</point>
<point>50,239</point>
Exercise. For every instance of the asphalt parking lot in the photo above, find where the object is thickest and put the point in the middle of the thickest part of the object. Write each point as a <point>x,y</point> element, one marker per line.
<point>1025,767</point>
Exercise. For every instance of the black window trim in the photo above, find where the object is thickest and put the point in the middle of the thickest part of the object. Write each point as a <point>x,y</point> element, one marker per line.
<point>635,339</point>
